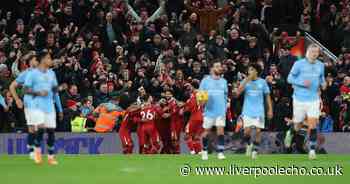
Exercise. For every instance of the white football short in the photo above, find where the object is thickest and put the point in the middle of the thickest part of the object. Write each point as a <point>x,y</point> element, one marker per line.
<point>27,115</point>
<point>249,122</point>
<point>37,117</point>
<point>210,122</point>
<point>301,110</point>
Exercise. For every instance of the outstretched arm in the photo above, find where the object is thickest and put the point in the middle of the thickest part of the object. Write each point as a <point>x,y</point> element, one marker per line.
<point>132,11</point>
<point>157,13</point>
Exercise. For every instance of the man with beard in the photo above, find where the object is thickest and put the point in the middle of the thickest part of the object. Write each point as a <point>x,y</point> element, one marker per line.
<point>307,78</point>
<point>214,108</point>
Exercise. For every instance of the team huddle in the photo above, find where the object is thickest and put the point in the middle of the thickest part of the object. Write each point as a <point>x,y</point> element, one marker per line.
<point>208,106</point>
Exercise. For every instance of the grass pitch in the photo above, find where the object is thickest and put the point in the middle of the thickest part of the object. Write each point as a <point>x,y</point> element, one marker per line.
<point>162,169</point>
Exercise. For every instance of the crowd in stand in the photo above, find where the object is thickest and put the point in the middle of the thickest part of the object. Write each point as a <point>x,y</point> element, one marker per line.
<point>108,51</point>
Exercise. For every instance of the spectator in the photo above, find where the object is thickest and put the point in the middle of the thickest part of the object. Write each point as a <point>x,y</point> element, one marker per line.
<point>208,15</point>
<point>72,94</point>
<point>101,96</point>
<point>345,88</point>
<point>70,113</point>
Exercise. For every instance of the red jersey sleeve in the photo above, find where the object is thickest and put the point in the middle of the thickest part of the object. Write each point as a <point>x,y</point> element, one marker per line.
<point>191,103</point>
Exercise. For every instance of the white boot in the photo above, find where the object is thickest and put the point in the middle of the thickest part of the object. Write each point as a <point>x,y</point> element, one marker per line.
<point>31,155</point>
<point>312,154</point>
<point>221,156</point>
<point>254,155</point>
<point>249,149</point>
<point>204,155</point>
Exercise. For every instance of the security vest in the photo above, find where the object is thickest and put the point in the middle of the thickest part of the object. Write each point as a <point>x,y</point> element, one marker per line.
<point>107,120</point>
<point>78,124</point>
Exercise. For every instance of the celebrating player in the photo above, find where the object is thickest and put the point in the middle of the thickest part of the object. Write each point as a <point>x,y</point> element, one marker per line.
<point>194,128</point>
<point>255,89</point>
<point>176,120</point>
<point>149,136</point>
<point>125,129</point>
<point>27,99</point>
<point>215,108</point>
<point>306,76</point>
<point>41,83</point>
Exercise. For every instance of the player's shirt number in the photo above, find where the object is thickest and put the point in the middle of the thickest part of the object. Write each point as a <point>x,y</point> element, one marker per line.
<point>147,115</point>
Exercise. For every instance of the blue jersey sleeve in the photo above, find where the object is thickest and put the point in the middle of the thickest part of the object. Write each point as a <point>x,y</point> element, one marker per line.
<point>2,101</point>
<point>21,78</point>
<point>203,84</point>
<point>293,77</point>
<point>29,80</point>
<point>55,83</point>
<point>266,88</point>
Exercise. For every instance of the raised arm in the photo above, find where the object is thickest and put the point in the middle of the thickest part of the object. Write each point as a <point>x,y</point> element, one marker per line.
<point>157,13</point>
<point>242,85</point>
<point>132,11</point>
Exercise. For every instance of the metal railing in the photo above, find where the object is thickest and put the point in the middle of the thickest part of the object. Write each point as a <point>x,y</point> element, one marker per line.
<point>324,50</point>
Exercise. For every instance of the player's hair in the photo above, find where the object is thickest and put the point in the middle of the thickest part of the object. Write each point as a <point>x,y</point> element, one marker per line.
<point>30,57</point>
<point>27,58</point>
<point>146,97</point>
<point>311,46</point>
<point>257,67</point>
<point>41,54</point>
<point>214,62</point>
<point>195,85</point>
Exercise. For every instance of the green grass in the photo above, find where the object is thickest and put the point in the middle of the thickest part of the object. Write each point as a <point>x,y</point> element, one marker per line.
<point>162,169</point>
